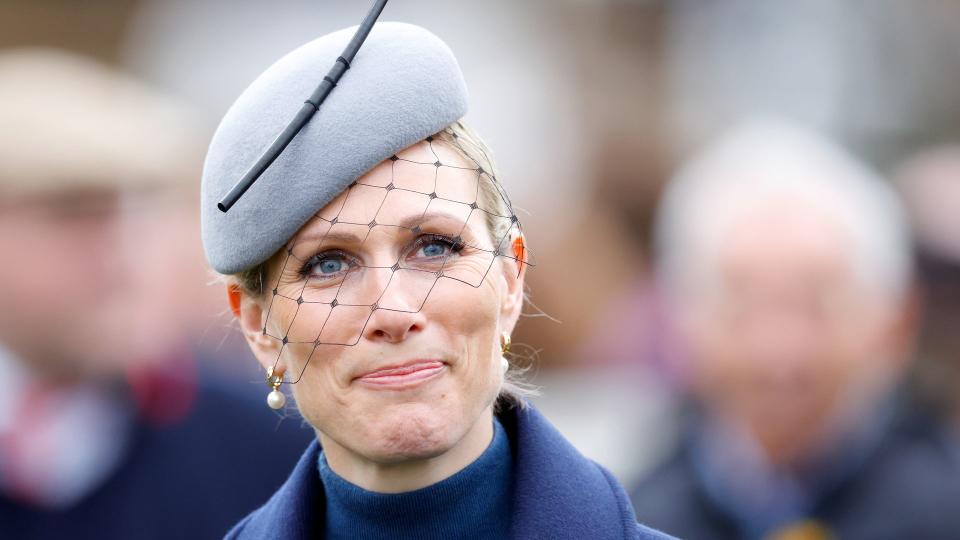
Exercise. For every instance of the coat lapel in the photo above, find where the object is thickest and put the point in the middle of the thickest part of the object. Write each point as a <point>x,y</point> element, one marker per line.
<point>295,511</point>
<point>558,493</point>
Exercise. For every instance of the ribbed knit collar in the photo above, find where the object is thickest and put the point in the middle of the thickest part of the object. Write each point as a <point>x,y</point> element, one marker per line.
<point>473,503</point>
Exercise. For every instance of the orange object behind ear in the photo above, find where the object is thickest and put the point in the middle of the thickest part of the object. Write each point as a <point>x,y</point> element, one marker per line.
<point>520,250</point>
<point>233,296</point>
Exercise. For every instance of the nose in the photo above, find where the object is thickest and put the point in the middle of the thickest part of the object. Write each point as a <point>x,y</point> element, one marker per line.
<point>397,312</point>
<point>393,325</point>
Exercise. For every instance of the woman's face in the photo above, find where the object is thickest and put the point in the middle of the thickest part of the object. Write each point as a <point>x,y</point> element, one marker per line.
<point>388,306</point>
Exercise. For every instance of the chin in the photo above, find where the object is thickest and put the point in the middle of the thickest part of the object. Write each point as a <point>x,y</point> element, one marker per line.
<point>408,431</point>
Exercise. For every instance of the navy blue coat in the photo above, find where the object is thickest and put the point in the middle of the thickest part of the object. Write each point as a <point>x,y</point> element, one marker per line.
<point>558,493</point>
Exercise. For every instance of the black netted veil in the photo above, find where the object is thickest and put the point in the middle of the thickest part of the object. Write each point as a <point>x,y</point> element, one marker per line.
<point>439,199</point>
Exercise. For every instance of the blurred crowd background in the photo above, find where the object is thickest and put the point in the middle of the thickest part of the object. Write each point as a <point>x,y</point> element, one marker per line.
<point>591,107</point>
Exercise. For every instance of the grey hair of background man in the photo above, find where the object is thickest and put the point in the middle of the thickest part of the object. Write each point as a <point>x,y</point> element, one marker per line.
<point>764,161</point>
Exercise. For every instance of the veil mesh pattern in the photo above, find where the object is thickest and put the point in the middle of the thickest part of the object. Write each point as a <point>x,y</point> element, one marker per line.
<point>430,179</point>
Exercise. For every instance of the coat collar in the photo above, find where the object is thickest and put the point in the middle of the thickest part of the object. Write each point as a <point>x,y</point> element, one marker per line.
<point>558,493</point>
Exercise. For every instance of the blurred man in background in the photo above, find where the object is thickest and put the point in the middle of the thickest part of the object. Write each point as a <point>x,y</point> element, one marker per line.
<point>107,431</point>
<point>787,266</point>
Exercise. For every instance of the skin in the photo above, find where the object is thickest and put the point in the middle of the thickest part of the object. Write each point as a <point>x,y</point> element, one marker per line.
<point>64,299</point>
<point>789,343</point>
<point>393,440</point>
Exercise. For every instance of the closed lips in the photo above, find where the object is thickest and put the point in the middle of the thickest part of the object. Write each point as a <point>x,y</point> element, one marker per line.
<point>409,372</point>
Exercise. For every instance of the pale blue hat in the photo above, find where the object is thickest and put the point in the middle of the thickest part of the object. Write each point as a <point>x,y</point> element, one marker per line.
<point>403,85</point>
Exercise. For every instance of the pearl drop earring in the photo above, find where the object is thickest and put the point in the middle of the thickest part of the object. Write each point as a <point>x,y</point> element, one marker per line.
<point>275,399</point>
<point>504,348</point>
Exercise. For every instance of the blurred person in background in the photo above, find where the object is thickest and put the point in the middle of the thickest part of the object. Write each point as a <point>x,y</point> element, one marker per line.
<point>930,184</point>
<point>787,269</point>
<point>103,432</point>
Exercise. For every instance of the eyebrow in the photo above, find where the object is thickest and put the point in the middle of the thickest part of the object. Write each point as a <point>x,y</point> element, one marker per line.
<point>408,223</point>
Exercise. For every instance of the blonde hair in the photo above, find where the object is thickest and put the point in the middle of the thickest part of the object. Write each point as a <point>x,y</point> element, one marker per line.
<point>499,213</point>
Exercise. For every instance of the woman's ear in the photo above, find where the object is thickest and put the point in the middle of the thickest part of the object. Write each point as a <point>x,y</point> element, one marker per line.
<point>249,314</point>
<point>514,272</point>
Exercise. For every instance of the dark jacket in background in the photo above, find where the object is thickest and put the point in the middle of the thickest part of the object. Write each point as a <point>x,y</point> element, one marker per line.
<point>191,478</point>
<point>908,487</point>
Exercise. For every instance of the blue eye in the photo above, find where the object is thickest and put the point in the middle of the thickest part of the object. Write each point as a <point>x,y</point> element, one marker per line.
<point>437,246</point>
<point>330,266</point>
<point>434,249</point>
<point>326,265</point>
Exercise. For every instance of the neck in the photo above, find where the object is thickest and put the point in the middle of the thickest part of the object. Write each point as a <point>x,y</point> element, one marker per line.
<point>398,477</point>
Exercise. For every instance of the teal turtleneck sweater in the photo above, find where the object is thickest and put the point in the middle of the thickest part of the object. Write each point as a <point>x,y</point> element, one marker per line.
<point>473,503</point>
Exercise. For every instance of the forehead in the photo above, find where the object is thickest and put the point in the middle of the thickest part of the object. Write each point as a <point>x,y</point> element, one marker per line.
<point>430,178</point>
<point>785,240</point>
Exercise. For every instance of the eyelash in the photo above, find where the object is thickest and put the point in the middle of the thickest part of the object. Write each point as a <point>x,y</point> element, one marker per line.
<point>454,244</point>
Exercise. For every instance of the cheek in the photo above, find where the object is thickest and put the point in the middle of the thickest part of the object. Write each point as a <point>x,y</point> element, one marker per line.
<point>48,270</point>
<point>476,330</point>
<point>319,398</point>
<point>467,314</point>
<point>716,360</point>
<point>854,354</point>
<point>312,331</point>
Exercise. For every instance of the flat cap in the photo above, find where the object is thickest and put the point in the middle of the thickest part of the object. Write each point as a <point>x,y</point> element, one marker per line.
<point>403,85</point>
